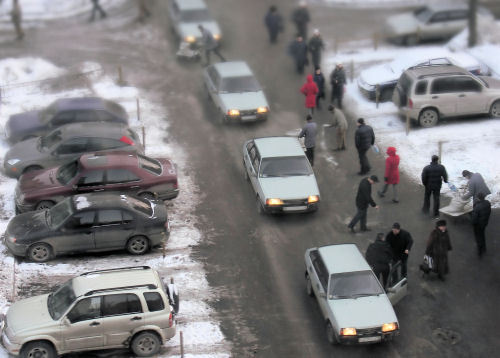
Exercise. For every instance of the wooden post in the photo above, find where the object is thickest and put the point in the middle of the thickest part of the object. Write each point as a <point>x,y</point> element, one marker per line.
<point>182,343</point>
<point>377,94</point>
<point>142,128</point>
<point>13,297</point>
<point>407,123</point>
<point>351,69</point>
<point>440,150</point>
<point>375,41</point>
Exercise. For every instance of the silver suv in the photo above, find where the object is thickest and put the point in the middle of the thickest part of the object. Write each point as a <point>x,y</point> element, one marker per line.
<point>114,308</point>
<point>428,93</point>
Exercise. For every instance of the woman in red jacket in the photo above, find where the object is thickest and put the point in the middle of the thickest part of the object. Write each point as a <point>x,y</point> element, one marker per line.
<point>310,90</point>
<point>391,174</point>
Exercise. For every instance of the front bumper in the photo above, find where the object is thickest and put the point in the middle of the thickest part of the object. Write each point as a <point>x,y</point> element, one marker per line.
<point>23,207</point>
<point>248,117</point>
<point>368,338</point>
<point>11,347</point>
<point>15,249</point>
<point>292,208</point>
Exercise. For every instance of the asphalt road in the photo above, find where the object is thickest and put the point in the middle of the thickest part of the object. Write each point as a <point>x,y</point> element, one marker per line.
<point>255,262</point>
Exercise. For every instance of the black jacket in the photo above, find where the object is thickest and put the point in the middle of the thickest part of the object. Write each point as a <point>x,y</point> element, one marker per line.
<point>320,82</point>
<point>364,196</point>
<point>301,16</point>
<point>433,176</point>
<point>378,253</point>
<point>364,137</point>
<point>315,44</point>
<point>274,22</point>
<point>481,213</point>
<point>399,243</point>
<point>337,77</point>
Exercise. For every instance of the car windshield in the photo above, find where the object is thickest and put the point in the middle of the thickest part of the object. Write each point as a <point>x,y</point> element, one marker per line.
<point>353,285</point>
<point>58,213</point>
<point>150,164</point>
<point>50,140</point>
<point>240,84</point>
<point>284,166</point>
<point>67,172</point>
<point>423,14</point>
<point>197,15</point>
<point>49,112</point>
<point>139,204</point>
<point>59,301</point>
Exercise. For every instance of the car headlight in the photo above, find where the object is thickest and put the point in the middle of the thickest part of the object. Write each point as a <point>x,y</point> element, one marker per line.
<point>389,327</point>
<point>190,39</point>
<point>274,202</point>
<point>313,199</point>
<point>348,332</point>
<point>13,161</point>
<point>262,110</point>
<point>11,239</point>
<point>233,112</point>
<point>217,37</point>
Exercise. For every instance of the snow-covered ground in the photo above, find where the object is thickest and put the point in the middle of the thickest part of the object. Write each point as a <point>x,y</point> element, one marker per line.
<point>202,335</point>
<point>378,3</point>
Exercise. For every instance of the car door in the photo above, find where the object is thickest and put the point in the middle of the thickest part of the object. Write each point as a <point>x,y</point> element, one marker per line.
<point>90,181</point>
<point>121,314</point>
<point>443,96</point>
<point>111,231</point>
<point>76,234</point>
<point>319,280</point>
<point>123,180</point>
<point>396,287</point>
<point>470,99</point>
<point>82,327</point>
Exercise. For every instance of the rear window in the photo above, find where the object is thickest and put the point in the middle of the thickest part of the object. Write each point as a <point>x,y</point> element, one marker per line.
<point>149,164</point>
<point>139,204</point>
<point>154,301</point>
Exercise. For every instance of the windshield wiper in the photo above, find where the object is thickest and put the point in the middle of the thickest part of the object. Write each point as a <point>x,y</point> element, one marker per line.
<point>341,296</point>
<point>364,295</point>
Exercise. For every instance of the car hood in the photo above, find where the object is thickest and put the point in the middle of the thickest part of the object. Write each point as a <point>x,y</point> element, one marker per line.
<point>402,24</point>
<point>378,74</point>
<point>244,100</point>
<point>38,181</point>
<point>29,313</point>
<point>23,123</point>
<point>22,225</point>
<point>293,187</point>
<point>363,312</point>
<point>191,29</point>
<point>25,150</point>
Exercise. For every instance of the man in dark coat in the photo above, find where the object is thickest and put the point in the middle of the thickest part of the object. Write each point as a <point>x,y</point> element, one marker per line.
<point>433,176</point>
<point>363,199</point>
<point>337,80</point>
<point>298,50</point>
<point>309,133</point>
<point>379,257</point>
<point>96,7</point>
<point>401,242</point>
<point>210,44</point>
<point>364,138</point>
<point>438,246</point>
<point>480,217</point>
<point>274,23</point>
<point>315,47</point>
<point>300,17</point>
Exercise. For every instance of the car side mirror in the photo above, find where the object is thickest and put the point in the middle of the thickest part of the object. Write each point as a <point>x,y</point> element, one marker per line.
<point>66,321</point>
<point>75,187</point>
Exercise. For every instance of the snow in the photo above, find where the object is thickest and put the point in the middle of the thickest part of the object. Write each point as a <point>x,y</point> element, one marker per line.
<point>81,203</point>
<point>378,3</point>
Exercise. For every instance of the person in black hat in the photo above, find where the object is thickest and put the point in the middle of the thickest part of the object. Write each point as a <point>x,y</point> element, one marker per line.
<point>401,242</point>
<point>438,245</point>
<point>363,199</point>
<point>433,176</point>
<point>379,257</point>
<point>364,138</point>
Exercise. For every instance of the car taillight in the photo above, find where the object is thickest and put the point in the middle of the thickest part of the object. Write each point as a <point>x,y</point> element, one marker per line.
<point>126,140</point>
<point>176,185</point>
<point>410,103</point>
<point>170,320</point>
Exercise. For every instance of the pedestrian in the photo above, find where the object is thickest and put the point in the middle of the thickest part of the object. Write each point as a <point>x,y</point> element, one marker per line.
<point>337,80</point>
<point>300,16</point>
<point>315,46</point>
<point>298,50</point>
<point>310,90</point>
<point>339,121</point>
<point>274,23</point>
<point>363,199</point>
<point>391,176</point>
<point>309,133</point>
<point>475,185</point>
<point>401,242</point>
<point>96,7</point>
<point>210,44</point>
<point>480,217</point>
<point>16,16</point>
<point>364,138</point>
<point>438,246</point>
<point>144,12</point>
<point>379,257</point>
<point>433,176</point>
<point>319,79</point>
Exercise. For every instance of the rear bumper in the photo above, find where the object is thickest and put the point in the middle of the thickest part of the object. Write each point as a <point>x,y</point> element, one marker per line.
<point>411,112</point>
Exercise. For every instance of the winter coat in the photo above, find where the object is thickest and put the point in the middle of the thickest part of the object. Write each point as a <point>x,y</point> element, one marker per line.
<point>338,120</point>
<point>364,196</point>
<point>378,253</point>
<point>301,16</point>
<point>399,243</point>
<point>475,186</point>
<point>364,137</point>
<point>298,50</point>
<point>315,44</point>
<point>337,79</point>
<point>274,22</point>
<point>309,132</point>
<point>391,175</point>
<point>319,79</point>
<point>481,213</point>
<point>438,246</point>
<point>433,176</point>
<point>310,90</point>
<point>208,40</point>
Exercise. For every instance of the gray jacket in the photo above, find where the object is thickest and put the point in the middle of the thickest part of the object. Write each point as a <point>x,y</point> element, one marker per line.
<point>338,120</point>
<point>475,186</point>
<point>208,40</point>
<point>309,132</point>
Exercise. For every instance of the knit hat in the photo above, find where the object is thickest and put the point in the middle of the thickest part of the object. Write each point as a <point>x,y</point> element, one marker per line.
<point>396,226</point>
<point>374,178</point>
<point>441,223</point>
<point>435,158</point>
<point>361,120</point>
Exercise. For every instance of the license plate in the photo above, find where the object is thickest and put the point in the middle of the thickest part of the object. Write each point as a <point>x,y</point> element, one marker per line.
<point>369,339</point>
<point>294,208</point>
<point>249,117</point>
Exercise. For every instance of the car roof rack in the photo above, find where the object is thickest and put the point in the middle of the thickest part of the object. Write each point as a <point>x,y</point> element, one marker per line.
<point>117,269</point>
<point>91,292</point>
<point>441,74</point>
<point>431,64</point>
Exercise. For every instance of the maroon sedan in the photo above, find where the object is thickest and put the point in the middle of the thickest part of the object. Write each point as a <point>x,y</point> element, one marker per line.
<point>131,174</point>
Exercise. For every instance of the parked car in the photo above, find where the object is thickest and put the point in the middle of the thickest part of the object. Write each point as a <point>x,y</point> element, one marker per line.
<point>438,20</point>
<point>63,111</point>
<point>89,223</point>
<point>281,175</point>
<point>127,307</point>
<point>355,306</point>
<point>429,93</point>
<point>186,15</point>
<point>130,173</point>
<point>235,92</point>
<point>68,143</point>
<point>386,75</point>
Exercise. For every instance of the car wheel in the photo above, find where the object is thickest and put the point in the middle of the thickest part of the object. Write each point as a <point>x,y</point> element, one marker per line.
<point>428,118</point>
<point>411,40</point>
<point>309,287</point>
<point>145,344</point>
<point>31,168</point>
<point>260,209</point>
<point>330,334</point>
<point>40,252</point>
<point>43,205</point>
<point>138,245</point>
<point>38,350</point>
<point>495,109</point>
<point>147,195</point>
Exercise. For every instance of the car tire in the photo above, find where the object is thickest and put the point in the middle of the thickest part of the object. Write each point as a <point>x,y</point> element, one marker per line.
<point>138,245</point>
<point>411,40</point>
<point>45,204</point>
<point>40,252</point>
<point>309,288</point>
<point>147,195</point>
<point>330,334</point>
<point>39,349</point>
<point>428,118</point>
<point>31,168</point>
<point>145,344</point>
<point>258,204</point>
<point>495,109</point>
